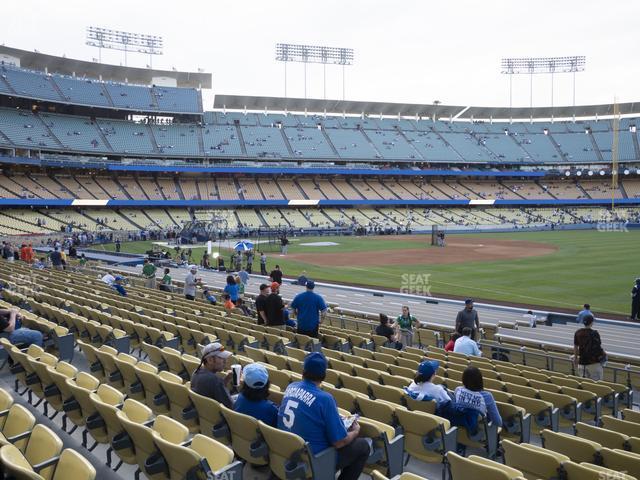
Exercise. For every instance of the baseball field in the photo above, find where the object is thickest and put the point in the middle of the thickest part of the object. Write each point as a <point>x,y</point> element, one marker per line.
<point>556,269</point>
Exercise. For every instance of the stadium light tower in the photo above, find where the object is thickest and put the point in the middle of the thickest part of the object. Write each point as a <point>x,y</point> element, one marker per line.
<point>552,65</point>
<point>288,52</point>
<point>124,41</point>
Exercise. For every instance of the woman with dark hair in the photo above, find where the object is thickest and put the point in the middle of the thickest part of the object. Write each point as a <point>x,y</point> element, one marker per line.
<point>472,396</point>
<point>231,289</point>
<point>254,393</point>
<point>452,341</point>
<point>386,329</point>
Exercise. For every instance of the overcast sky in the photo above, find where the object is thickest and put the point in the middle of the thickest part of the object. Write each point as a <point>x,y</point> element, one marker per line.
<point>405,51</point>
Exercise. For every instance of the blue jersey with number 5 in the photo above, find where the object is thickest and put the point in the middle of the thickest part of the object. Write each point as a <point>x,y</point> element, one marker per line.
<point>312,414</point>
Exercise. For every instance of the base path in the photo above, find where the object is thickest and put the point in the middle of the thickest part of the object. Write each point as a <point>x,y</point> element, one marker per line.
<point>458,250</point>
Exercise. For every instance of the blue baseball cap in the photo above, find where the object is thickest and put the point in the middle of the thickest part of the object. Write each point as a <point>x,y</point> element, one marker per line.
<point>311,284</point>
<point>428,368</point>
<point>255,375</point>
<point>315,363</point>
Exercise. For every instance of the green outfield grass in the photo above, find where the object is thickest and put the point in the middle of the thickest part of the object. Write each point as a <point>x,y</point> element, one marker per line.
<point>589,266</point>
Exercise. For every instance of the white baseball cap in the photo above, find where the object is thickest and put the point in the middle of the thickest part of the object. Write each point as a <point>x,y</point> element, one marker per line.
<point>215,350</point>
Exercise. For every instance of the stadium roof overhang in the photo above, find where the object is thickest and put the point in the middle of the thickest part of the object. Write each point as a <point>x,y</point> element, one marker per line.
<point>346,107</point>
<point>68,66</point>
<point>456,112</point>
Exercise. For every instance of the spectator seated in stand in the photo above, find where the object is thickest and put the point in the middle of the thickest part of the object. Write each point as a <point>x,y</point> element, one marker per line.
<point>11,328</point>
<point>118,285</point>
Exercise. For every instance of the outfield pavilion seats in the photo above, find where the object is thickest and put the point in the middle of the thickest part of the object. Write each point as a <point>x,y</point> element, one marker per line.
<point>308,143</point>
<point>466,145</point>
<point>24,128</point>
<point>632,188</point>
<point>82,91</point>
<point>92,92</point>
<point>149,187</point>
<point>177,139</point>
<point>209,189</point>
<point>503,146</point>
<point>351,143</point>
<point>25,187</point>
<point>563,189</point>
<point>538,147</point>
<point>189,188</point>
<point>329,190</point>
<point>75,133</point>
<point>342,187</point>
<point>431,146</point>
<point>130,97</point>
<point>365,190</point>
<point>126,137</point>
<point>249,218</point>
<point>392,145</point>
<point>168,188</point>
<point>250,189</point>
<point>221,141</point>
<point>177,100</point>
<point>26,83</point>
<point>264,142</point>
<point>576,147</point>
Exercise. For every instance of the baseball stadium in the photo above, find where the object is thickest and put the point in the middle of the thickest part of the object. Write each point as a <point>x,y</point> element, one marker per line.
<point>205,285</point>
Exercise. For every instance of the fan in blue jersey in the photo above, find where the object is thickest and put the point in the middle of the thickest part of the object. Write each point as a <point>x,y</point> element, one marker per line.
<point>312,413</point>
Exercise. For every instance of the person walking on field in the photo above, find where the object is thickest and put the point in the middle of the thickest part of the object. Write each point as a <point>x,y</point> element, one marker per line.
<point>635,301</point>
<point>263,264</point>
<point>468,318</point>
<point>588,355</point>
<point>149,273</point>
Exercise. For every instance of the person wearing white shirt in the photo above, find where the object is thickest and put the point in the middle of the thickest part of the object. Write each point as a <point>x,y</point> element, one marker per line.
<point>108,279</point>
<point>422,388</point>
<point>466,345</point>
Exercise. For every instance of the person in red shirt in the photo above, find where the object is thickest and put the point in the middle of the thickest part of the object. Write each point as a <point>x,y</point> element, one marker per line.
<point>449,346</point>
<point>31,255</point>
<point>23,252</point>
<point>228,304</point>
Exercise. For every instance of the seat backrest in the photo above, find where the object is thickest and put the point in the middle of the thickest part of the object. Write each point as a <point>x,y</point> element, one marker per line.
<point>6,400</point>
<point>136,411</point>
<point>170,430</point>
<point>180,460</point>
<point>464,468</point>
<point>578,449</point>
<point>217,454</point>
<point>623,426</point>
<point>283,448</point>
<point>605,437</point>
<point>19,420</point>
<point>534,462</point>
<point>622,461</point>
<point>141,437</point>
<point>73,465</point>
<point>631,415</point>
<point>244,433</point>
<point>43,444</point>
<point>15,465</point>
